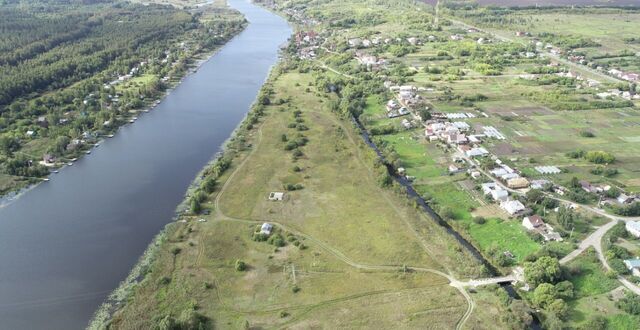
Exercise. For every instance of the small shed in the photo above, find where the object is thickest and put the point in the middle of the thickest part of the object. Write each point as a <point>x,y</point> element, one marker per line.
<point>266,228</point>
<point>276,196</point>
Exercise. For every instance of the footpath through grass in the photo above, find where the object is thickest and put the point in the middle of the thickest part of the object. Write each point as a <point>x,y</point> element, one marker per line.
<point>307,282</point>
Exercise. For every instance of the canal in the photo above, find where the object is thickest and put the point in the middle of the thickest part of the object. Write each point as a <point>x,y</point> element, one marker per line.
<point>65,244</point>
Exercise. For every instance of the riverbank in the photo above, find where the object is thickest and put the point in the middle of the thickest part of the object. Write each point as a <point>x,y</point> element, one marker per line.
<point>216,170</point>
<point>10,195</point>
<point>192,54</point>
<point>115,202</point>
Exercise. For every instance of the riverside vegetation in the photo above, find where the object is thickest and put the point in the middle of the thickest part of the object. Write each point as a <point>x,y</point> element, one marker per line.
<point>349,249</point>
<point>73,72</point>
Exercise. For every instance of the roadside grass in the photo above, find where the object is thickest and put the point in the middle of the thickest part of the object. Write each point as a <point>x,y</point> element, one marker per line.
<point>592,279</point>
<point>583,309</point>
<point>622,322</point>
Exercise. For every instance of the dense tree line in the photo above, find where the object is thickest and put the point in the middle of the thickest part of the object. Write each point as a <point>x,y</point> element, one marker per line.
<point>57,61</point>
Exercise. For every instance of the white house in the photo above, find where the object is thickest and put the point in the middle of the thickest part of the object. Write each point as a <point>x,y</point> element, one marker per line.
<point>477,152</point>
<point>633,227</point>
<point>633,265</point>
<point>500,195</point>
<point>512,207</point>
<point>533,222</point>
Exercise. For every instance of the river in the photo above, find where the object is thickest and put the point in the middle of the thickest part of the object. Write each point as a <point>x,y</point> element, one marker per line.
<point>65,244</point>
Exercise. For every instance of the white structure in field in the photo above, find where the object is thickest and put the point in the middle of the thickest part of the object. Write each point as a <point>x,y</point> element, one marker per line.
<point>633,227</point>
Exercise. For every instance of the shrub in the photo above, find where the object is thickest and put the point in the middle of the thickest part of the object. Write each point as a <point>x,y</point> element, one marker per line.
<point>599,157</point>
<point>587,134</point>
<point>241,265</point>
<point>164,280</point>
<point>276,240</point>
<point>479,220</point>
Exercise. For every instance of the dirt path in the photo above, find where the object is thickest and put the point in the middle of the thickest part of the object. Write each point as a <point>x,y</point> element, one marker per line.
<point>338,254</point>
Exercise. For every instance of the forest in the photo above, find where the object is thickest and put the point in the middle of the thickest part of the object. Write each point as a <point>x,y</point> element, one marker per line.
<point>71,72</point>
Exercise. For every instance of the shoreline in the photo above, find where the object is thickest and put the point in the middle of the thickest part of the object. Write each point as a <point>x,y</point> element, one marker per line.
<point>117,298</point>
<point>13,194</point>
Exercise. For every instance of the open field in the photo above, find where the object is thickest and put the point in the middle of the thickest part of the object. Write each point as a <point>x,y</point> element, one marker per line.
<point>327,278</point>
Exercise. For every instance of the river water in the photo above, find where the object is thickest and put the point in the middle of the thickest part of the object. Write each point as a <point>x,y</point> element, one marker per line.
<point>67,243</point>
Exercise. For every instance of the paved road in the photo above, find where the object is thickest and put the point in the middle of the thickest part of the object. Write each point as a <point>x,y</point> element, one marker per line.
<point>592,240</point>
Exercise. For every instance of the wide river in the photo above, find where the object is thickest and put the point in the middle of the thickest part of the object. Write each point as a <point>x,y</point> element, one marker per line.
<point>67,243</point>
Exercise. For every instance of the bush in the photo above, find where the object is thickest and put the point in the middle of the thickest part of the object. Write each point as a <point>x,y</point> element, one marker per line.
<point>164,280</point>
<point>587,134</point>
<point>599,157</point>
<point>479,220</point>
<point>276,240</point>
<point>630,304</point>
<point>295,289</point>
<point>241,266</point>
<point>447,213</point>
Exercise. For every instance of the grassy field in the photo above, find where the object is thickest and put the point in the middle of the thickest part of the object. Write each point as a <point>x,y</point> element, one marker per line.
<point>592,295</point>
<point>355,239</point>
<point>592,279</point>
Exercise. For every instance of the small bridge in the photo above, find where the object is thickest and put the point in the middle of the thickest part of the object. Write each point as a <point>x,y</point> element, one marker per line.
<point>487,281</point>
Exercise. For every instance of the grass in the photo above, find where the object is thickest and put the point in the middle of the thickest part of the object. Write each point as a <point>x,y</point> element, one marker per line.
<point>505,236</point>
<point>495,233</point>
<point>347,218</point>
<point>337,204</point>
<point>592,279</point>
<point>418,158</point>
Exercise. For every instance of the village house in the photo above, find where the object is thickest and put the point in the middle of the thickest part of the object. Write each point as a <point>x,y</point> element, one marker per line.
<point>633,265</point>
<point>588,187</point>
<point>392,105</point>
<point>633,227</point>
<point>513,207</point>
<point>476,152</point>
<point>42,122</point>
<point>73,145</point>
<point>407,124</point>
<point>497,192</point>
<point>370,61</point>
<point>517,183</point>
<point>625,199</point>
<point>539,184</point>
<point>535,223</point>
